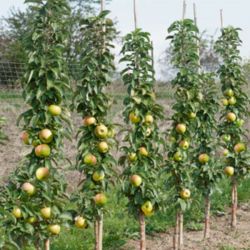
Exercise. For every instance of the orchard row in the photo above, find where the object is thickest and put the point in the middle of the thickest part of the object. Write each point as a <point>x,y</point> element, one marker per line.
<point>35,196</point>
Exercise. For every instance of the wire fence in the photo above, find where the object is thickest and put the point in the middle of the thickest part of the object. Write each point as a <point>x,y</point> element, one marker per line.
<point>12,72</point>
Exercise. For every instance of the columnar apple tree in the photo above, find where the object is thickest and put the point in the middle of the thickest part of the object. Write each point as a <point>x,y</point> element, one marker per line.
<point>234,113</point>
<point>35,193</point>
<point>142,158</point>
<point>184,42</point>
<point>207,172</point>
<point>96,135</point>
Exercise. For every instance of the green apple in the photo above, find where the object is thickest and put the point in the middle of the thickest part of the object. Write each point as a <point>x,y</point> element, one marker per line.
<point>178,156</point>
<point>29,188</point>
<point>225,152</point>
<point>181,128</point>
<point>185,193</point>
<point>134,118</point>
<point>17,212</point>
<point>42,173</point>
<point>191,115</point>
<point>45,136</point>
<point>132,157</point>
<point>25,137</point>
<point>229,93</point>
<point>231,117</point>
<point>32,220</point>
<point>111,133</point>
<point>98,176</point>
<point>239,123</point>
<point>149,119</point>
<point>148,132</point>
<point>54,229</point>
<point>203,158</point>
<point>184,144</point>
<point>143,151</point>
<point>54,110</point>
<point>42,151</point>
<point>100,199</point>
<point>89,121</point>
<point>90,159</point>
<point>46,212</point>
<point>226,138</point>
<point>225,102</point>
<point>136,180</point>
<point>147,207</point>
<point>101,131</point>
<point>229,171</point>
<point>109,22</point>
<point>239,147</point>
<point>80,222</point>
<point>103,147</point>
<point>232,100</point>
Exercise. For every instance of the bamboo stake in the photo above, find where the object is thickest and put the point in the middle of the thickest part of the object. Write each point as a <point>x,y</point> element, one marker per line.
<point>176,232</point>
<point>234,204</point>
<point>181,231</point>
<point>142,231</point>
<point>207,217</point>
<point>96,235</point>
<point>102,5</point>
<point>100,231</point>
<point>184,9</point>
<point>221,18</point>
<point>195,14</point>
<point>47,244</point>
<point>135,14</point>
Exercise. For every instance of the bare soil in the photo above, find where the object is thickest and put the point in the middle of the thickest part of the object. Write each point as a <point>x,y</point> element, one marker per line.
<point>221,237</point>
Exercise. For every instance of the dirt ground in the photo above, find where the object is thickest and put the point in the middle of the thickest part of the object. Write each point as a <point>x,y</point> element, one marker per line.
<point>221,237</point>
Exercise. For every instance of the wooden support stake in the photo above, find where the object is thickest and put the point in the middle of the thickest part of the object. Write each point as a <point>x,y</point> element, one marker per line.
<point>176,232</point>
<point>96,235</point>
<point>221,18</point>
<point>100,232</point>
<point>102,5</point>
<point>181,240</point>
<point>207,218</point>
<point>135,14</point>
<point>184,9</point>
<point>195,14</point>
<point>47,244</point>
<point>142,231</point>
<point>234,204</point>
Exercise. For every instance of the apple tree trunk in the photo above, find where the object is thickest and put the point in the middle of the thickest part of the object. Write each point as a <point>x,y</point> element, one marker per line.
<point>234,204</point>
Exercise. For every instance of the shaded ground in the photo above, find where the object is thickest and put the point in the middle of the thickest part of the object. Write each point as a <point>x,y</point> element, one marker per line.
<point>222,238</point>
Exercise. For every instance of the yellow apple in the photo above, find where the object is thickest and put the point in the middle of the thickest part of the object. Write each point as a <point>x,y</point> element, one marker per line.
<point>143,151</point>
<point>17,212</point>
<point>132,157</point>
<point>100,199</point>
<point>101,131</point>
<point>231,117</point>
<point>225,102</point>
<point>42,151</point>
<point>80,222</point>
<point>42,173</point>
<point>29,188</point>
<point>225,152</point>
<point>149,119</point>
<point>54,110</point>
<point>184,144</point>
<point>98,176</point>
<point>103,147</point>
<point>90,159</point>
<point>32,220</point>
<point>232,100</point>
<point>191,115</point>
<point>185,193</point>
<point>134,118</point>
<point>181,128</point>
<point>178,156</point>
<point>229,171</point>
<point>45,135</point>
<point>111,133</point>
<point>54,229</point>
<point>239,147</point>
<point>148,132</point>
<point>147,207</point>
<point>46,212</point>
<point>240,122</point>
<point>25,137</point>
<point>136,180</point>
<point>88,121</point>
<point>203,158</point>
<point>229,93</point>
